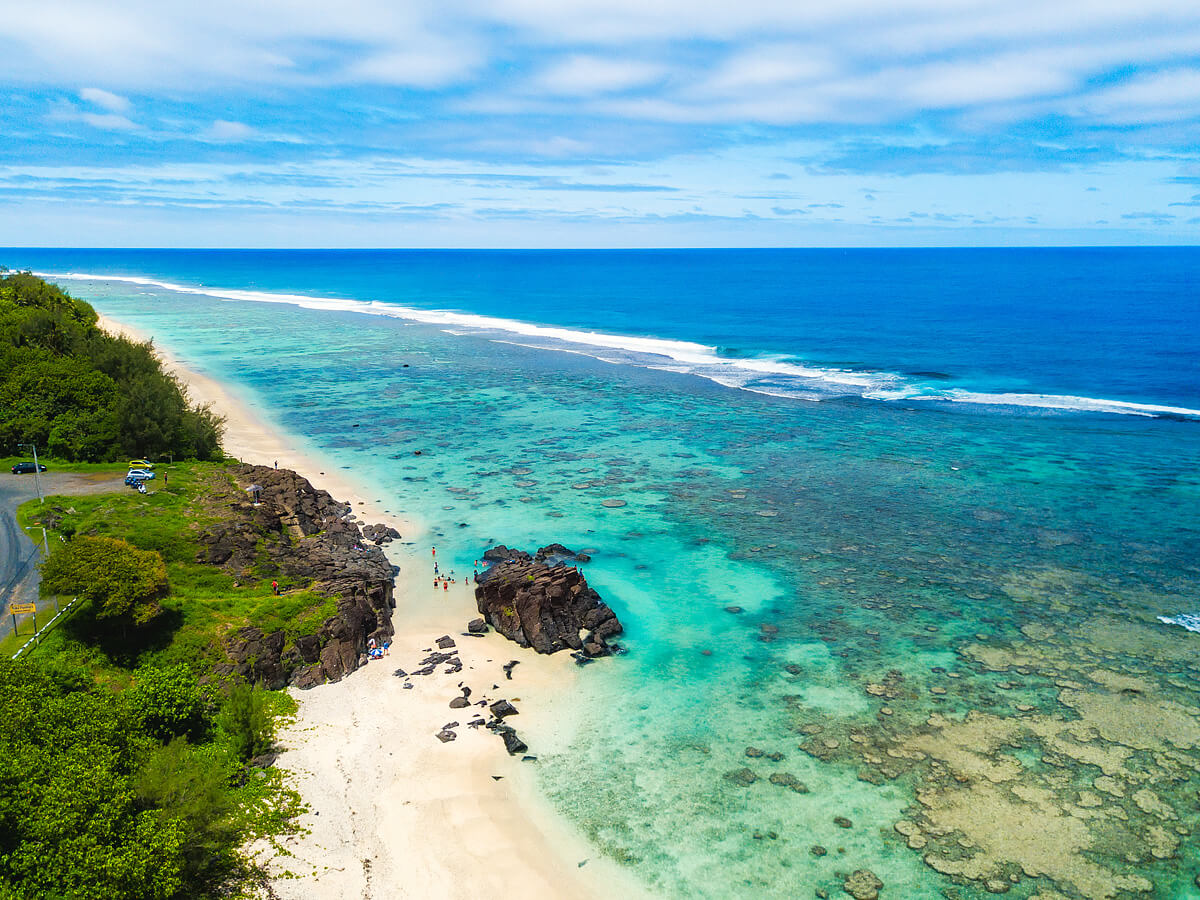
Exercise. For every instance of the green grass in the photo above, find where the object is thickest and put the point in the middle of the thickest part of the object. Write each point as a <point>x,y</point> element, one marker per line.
<point>205,602</point>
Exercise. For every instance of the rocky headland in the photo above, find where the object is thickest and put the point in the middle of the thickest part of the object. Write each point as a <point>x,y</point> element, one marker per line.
<point>541,602</point>
<point>304,533</point>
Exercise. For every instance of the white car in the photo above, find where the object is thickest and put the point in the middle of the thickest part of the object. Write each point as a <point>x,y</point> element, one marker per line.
<point>138,475</point>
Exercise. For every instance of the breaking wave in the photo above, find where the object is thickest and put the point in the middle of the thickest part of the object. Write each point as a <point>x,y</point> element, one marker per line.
<point>771,375</point>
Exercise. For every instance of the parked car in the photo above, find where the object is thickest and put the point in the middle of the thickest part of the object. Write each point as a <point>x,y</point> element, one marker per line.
<point>24,468</point>
<point>138,475</point>
<point>141,464</point>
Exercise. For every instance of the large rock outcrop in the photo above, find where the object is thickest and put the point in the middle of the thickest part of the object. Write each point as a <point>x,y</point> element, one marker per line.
<point>546,607</point>
<point>298,531</point>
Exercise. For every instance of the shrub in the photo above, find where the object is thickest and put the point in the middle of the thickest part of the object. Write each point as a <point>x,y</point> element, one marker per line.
<point>245,722</point>
<point>121,580</point>
<point>168,703</point>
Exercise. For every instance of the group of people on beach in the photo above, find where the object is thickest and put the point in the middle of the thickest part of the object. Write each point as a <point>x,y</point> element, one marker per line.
<point>376,650</point>
<point>444,580</point>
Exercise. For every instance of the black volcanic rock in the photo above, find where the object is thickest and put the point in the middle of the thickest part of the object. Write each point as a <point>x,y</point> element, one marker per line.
<point>302,533</point>
<point>544,607</point>
<point>503,554</point>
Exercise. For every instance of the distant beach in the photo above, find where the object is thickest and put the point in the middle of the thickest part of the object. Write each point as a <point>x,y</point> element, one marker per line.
<point>392,811</point>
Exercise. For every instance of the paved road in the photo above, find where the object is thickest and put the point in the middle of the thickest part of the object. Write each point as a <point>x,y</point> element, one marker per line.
<point>19,554</point>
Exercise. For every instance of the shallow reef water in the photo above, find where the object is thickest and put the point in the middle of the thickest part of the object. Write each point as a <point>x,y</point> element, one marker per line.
<point>918,643</point>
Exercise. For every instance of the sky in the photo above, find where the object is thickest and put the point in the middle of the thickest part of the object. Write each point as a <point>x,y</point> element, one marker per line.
<point>579,123</point>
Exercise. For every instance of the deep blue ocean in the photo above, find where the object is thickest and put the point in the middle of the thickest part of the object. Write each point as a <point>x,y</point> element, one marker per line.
<point>1079,325</point>
<point>906,542</point>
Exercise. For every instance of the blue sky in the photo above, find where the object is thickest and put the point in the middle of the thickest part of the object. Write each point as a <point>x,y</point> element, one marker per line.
<point>583,123</point>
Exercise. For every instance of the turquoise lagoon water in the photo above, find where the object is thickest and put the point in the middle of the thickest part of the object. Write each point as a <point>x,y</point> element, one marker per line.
<point>944,607</point>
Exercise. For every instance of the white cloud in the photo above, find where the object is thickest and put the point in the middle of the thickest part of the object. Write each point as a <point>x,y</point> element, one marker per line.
<point>114,103</point>
<point>1159,97</point>
<point>589,75</point>
<point>772,61</point>
<point>771,66</point>
<point>437,64</point>
<point>225,130</point>
<point>107,121</point>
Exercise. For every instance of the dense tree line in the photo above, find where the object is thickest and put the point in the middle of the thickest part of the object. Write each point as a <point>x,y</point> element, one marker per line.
<point>137,794</point>
<point>83,394</point>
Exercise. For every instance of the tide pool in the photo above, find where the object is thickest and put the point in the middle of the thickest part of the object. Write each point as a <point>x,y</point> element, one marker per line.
<point>918,640</point>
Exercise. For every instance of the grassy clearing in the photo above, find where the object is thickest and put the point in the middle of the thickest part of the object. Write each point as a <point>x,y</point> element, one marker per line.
<point>205,603</point>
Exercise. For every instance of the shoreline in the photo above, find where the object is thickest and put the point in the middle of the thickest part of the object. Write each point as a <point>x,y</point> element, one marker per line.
<point>251,438</point>
<point>391,810</point>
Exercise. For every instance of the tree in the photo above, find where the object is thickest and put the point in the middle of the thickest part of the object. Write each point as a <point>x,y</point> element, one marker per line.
<point>245,722</point>
<point>119,579</point>
<point>70,825</point>
<point>168,703</point>
<point>84,394</point>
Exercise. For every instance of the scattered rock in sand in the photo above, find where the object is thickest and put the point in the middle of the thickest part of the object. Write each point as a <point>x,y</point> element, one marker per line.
<point>863,885</point>
<point>512,743</point>
<point>502,708</point>
<point>459,703</point>
<point>508,667</point>
<point>842,822</point>
<point>445,642</point>
<point>817,850</point>
<point>446,735</point>
<point>477,626</point>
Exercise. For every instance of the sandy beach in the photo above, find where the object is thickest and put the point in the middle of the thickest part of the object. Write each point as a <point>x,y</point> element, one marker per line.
<point>393,811</point>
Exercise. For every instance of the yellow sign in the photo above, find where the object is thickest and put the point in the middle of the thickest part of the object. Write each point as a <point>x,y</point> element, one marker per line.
<point>18,609</point>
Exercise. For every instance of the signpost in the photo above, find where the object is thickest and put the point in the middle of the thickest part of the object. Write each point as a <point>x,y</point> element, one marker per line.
<point>20,609</point>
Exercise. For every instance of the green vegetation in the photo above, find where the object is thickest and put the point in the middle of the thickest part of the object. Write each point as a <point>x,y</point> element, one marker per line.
<point>124,761</point>
<point>203,603</point>
<point>116,576</point>
<point>96,804</point>
<point>82,394</point>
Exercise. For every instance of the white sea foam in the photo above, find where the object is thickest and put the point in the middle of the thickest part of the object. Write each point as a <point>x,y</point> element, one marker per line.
<point>770,375</point>
<point>1190,621</point>
<point>1082,404</point>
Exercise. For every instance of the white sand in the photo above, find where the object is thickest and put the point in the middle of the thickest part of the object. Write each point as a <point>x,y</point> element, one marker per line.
<point>251,437</point>
<point>394,812</point>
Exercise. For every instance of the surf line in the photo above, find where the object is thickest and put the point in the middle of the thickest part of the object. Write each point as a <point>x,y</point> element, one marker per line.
<point>772,376</point>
